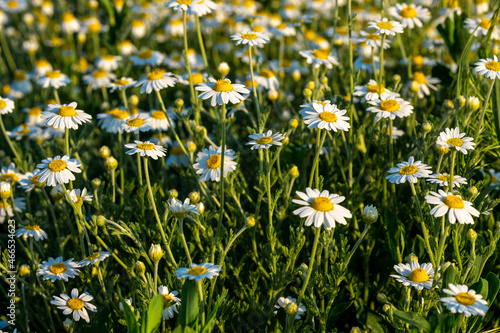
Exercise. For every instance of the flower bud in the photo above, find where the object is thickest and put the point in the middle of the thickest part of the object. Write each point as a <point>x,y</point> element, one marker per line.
<point>139,267</point>
<point>250,222</point>
<point>24,270</point>
<point>67,324</point>
<point>101,221</point>
<point>411,258</point>
<point>307,93</point>
<point>355,329</point>
<point>173,193</point>
<point>179,103</point>
<point>303,268</point>
<point>201,207</point>
<point>382,298</point>
<point>294,123</point>
<point>28,18</point>
<point>194,197</point>
<point>448,104</point>
<point>474,103</point>
<point>291,309</point>
<point>57,192</point>
<point>200,132</point>
<point>191,147</point>
<point>461,101</point>
<point>427,127</point>
<point>5,190</point>
<point>96,182</point>
<point>111,163</point>
<point>285,141</point>
<point>471,235</point>
<point>272,95</point>
<point>386,308</point>
<point>473,191</point>
<point>128,301</point>
<point>370,214</point>
<point>155,252</point>
<point>294,172</point>
<point>223,68</point>
<point>105,152</point>
<point>396,78</point>
<point>442,149</point>
<point>133,100</point>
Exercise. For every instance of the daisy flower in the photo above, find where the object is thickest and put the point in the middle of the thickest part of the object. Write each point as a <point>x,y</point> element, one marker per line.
<point>457,208</point>
<point>386,27</point>
<point>136,125</point>
<point>197,272</point>
<point>319,57</point>
<point>108,62</point>
<point>176,154</point>
<point>408,172</point>
<point>267,79</point>
<point>157,79</point>
<point>6,106</point>
<point>54,79</point>
<point>265,140</point>
<point>202,7</point>
<point>209,163</point>
<point>289,304</point>
<point>321,208</point>
<point>58,170</point>
<point>29,181</point>
<point>122,83</point>
<point>420,83</point>
<point>390,107</point>
<point>10,174</point>
<point>31,231</point>
<point>488,67</point>
<point>79,196</point>
<point>464,301</point>
<point>415,275</point>
<point>373,40</point>
<point>370,91</point>
<point>98,79</point>
<point>170,300</point>
<point>23,130</point>
<point>158,120</point>
<point>495,177</point>
<point>453,139</point>
<point>410,15</point>
<point>65,116</point>
<point>251,38</point>
<point>58,269</point>
<point>222,91</point>
<point>327,117</point>
<point>7,211</point>
<point>180,209</point>
<point>34,116</point>
<point>70,23</point>
<point>442,179</point>
<point>146,148</point>
<point>483,26</point>
<point>179,5</point>
<point>94,257</point>
<point>111,121</point>
<point>76,304</point>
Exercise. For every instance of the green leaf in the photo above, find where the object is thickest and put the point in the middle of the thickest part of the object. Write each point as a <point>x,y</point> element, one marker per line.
<point>211,318</point>
<point>394,230</point>
<point>189,304</point>
<point>481,287</point>
<point>413,318</point>
<point>494,286</point>
<point>372,321</point>
<point>154,316</point>
<point>132,325</point>
<point>449,276</point>
<point>101,323</point>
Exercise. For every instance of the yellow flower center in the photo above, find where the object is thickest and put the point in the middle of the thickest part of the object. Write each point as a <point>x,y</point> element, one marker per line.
<point>494,180</point>
<point>197,270</point>
<point>214,161</point>
<point>389,105</point>
<point>57,165</point>
<point>66,111</point>
<point>222,86</point>
<point>58,268</point>
<point>445,178</point>
<point>465,299</point>
<point>94,27</point>
<point>145,146</point>
<point>342,30</point>
<point>418,275</point>
<point>485,24</point>
<point>328,117</point>
<point>12,177</point>
<point>121,82</point>
<point>158,115</point>
<point>2,104</point>
<point>156,74</point>
<point>417,60</point>
<point>75,304</point>
<point>264,140</point>
<point>419,77</point>
<point>480,2</point>
<point>166,298</point>
<point>455,142</point>
<point>24,129</point>
<point>408,12</point>
<point>184,2</point>
<point>119,114</point>
<point>258,28</point>
<point>34,111</point>
<point>19,76</point>
<point>68,17</point>
<point>266,73</point>
<point>322,204</point>
<point>137,23</point>
<point>408,170</point>
<point>191,51</point>
<point>367,60</point>
<point>42,63</point>
<point>321,54</point>
<point>93,256</point>
<point>249,36</point>
<point>34,180</point>
<point>493,66</point>
<point>53,74</point>
<point>196,78</point>
<point>376,88</point>
<point>136,122</point>
<point>99,74</point>
<point>32,227</point>
<point>385,25</point>
<point>146,54</point>
<point>12,4</point>
<point>108,57</point>
<point>2,206</point>
<point>373,37</point>
<point>453,201</point>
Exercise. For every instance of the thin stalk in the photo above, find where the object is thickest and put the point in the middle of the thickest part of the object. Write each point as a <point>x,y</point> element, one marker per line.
<point>200,41</point>
<point>311,265</point>
<point>56,96</point>
<point>6,51</point>
<point>188,66</point>
<point>483,111</point>
<point>256,99</point>
<point>181,232</point>
<point>316,158</point>
<point>270,206</point>
<point>16,154</point>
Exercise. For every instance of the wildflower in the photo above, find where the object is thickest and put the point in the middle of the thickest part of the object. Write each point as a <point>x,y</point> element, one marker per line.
<point>265,140</point>
<point>222,91</point>
<point>267,79</point>
<point>5,190</point>
<point>70,23</point>
<point>421,83</point>
<point>495,177</point>
<point>197,272</point>
<point>155,252</point>
<point>78,197</point>
<point>464,301</point>
<point>390,107</point>
<point>54,79</point>
<point>98,79</point>
<point>94,257</point>
<point>181,210</point>
<point>170,300</point>
<point>457,208</point>
<point>176,154</point>
<point>58,269</point>
<point>326,116</point>
<point>442,179</point>
<point>76,304</point>
<point>415,275</point>
<point>373,91</point>
<point>372,40</point>
<point>111,121</point>
<point>488,67</point>
<point>135,125</point>
<point>157,79</point>
<point>158,120</point>
<point>128,301</point>
<point>319,57</point>
<point>408,171</point>
<point>6,106</point>
<point>65,116</point>
<point>208,164</point>
<point>251,38</point>
<point>58,170</point>
<point>321,208</point>
<point>146,148</point>
<point>453,139</point>
<point>481,27</point>
<point>289,304</point>
<point>410,15</point>
<point>386,27</point>
<point>179,5</point>
<point>396,133</point>
<point>7,211</point>
<point>370,214</point>
<point>33,230</point>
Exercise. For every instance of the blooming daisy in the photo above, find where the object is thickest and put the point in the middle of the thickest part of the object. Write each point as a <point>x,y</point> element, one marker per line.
<point>98,79</point>
<point>267,79</point>
<point>94,257</point>
<point>108,62</point>
<point>197,272</point>
<point>31,231</point>
<point>179,5</point>
<point>209,163</point>
<point>79,196</point>
<point>483,25</point>
<point>136,125</point>
<point>386,27</point>
<point>442,179</point>
<point>370,91</point>
<point>146,148</point>
<point>7,211</point>
<point>122,83</point>
<point>41,67</point>
<point>58,269</point>
<point>34,116</point>
<point>70,23</point>
<point>265,140</point>
<point>410,15</point>
<point>54,79</point>
<point>488,67</point>
<point>408,171</point>
<point>65,116</point>
<point>128,301</point>
<point>24,130</point>
<point>327,117</point>
<point>415,275</point>
<point>222,91</point>
<point>464,301</point>
<point>5,190</point>
<point>372,40</point>
<point>321,208</point>
<point>495,178</point>
<point>319,57</point>
<point>251,38</point>
<point>420,83</point>
<point>457,208</point>
<point>180,209</point>
<point>176,153</point>
<point>157,79</point>
<point>76,304</point>
<point>10,174</point>
<point>58,170</point>
<point>6,105</point>
<point>158,120</point>
<point>289,304</point>
<point>126,48</point>
<point>170,300</point>
<point>453,139</point>
<point>111,121</point>
<point>390,107</point>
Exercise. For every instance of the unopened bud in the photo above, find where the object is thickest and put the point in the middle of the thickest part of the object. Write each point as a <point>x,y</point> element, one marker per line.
<point>291,309</point>
<point>223,68</point>
<point>155,252</point>
<point>285,141</point>
<point>473,191</point>
<point>324,80</point>
<point>355,330</point>
<point>173,193</point>
<point>104,152</point>
<point>139,267</point>
<point>179,103</point>
<point>201,207</point>
<point>471,235</point>
<point>272,95</point>
<point>111,163</point>
<point>386,308</point>
<point>474,103</point>
<point>250,222</point>
<point>294,172</point>
<point>303,268</point>
<point>191,147</point>
<point>311,85</point>
<point>307,93</point>
<point>5,190</point>
<point>194,197</point>
<point>427,127</point>
<point>96,182</point>
<point>24,270</point>
<point>294,123</point>
<point>381,298</point>
<point>396,78</point>
<point>461,101</point>
<point>101,221</point>
<point>448,104</point>
<point>57,192</point>
<point>411,258</point>
<point>370,214</point>
<point>133,100</point>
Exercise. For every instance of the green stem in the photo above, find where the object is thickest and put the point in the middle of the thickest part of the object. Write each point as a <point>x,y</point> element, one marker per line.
<point>316,159</point>
<point>188,66</point>
<point>270,208</point>
<point>8,140</point>
<point>6,51</point>
<point>200,41</point>
<point>56,96</point>
<point>311,265</point>
<point>483,111</point>
<point>186,248</point>
<point>256,99</point>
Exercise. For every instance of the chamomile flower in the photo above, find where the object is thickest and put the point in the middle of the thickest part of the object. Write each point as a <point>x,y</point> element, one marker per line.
<point>179,5</point>
<point>156,80</point>
<point>94,257</point>
<point>41,67</point>
<point>483,25</point>
<point>75,304</point>
<point>495,178</point>
<point>58,170</point>
<point>147,57</point>
<point>7,211</point>
<point>409,172</point>
<point>289,304</point>
<point>415,275</point>
<point>442,179</point>
<point>267,79</point>
<point>420,83</point>
<point>370,92</point>
<point>488,67</point>
<point>457,208</point>
<point>319,57</point>
<point>136,124</point>
<point>209,160</point>
<point>58,269</point>
<point>65,116</point>
<point>111,121</point>
<point>197,272</point>
<point>251,38</point>
<point>453,139</point>
<point>146,148</point>
<point>386,27</point>
<point>98,79</point>
<point>222,91</point>
<point>108,62</point>
<point>321,208</point>
<point>22,131</point>
<point>390,107</point>
<point>180,209</point>
<point>126,48</point>
<point>79,196</point>
<point>6,106</point>
<point>464,301</point>
<point>170,300</point>
<point>29,181</point>
<point>54,79</point>
<point>327,117</point>
<point>33,230</point>
<point>158,120</point>
<point>70,23</point>
<point>122,83</point>
<point>373,40</point>
<point>265,140</point>
<point>410,15</point>
<point>176,153</point>
<point>10,174</point>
